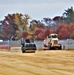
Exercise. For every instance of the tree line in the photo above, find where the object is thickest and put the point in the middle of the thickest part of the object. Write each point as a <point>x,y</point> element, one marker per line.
<point>15,26</point>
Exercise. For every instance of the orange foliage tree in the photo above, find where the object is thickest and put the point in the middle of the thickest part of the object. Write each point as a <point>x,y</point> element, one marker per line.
<point>65,31</point>
<point>64,34</point>
<point>24,35</point>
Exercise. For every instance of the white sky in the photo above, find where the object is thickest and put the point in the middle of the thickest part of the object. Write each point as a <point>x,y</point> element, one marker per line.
<point>36,9</point>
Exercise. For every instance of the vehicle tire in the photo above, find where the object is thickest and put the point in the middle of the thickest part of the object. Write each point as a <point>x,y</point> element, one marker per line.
<point>23,49</point>
<point>34,47</point>
<point>60,47</point>
<point>49,46</point>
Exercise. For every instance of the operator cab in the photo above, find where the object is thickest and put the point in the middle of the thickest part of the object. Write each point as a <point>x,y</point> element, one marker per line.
<point>53,36</point>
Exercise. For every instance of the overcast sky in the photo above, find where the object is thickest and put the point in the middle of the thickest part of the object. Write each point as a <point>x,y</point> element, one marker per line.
<point>36,9</point>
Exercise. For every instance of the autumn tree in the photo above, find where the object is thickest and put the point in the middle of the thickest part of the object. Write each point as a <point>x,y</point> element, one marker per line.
<point>72,35</point>
<point>46,33</point>
<point>71,27</point>
<point>62,31</point>
<point>16,23</point>
<point>64,34</point>
<point>9,27</point>
<point>22,21</point>
<point>36,24</point>
<point>24,35</point>
<point>32,25</point>
<point>71,30</point>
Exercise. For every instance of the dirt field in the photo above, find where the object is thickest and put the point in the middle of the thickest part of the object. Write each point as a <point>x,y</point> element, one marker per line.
<point>58,62</point>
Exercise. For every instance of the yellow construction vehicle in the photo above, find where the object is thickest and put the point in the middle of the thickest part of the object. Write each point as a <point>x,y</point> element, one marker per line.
<point>52,42</point>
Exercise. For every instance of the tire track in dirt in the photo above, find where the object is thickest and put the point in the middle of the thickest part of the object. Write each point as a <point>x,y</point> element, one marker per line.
<point>39,63</point>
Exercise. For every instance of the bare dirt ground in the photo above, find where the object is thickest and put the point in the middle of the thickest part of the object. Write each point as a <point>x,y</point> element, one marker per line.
<point>54,62</point>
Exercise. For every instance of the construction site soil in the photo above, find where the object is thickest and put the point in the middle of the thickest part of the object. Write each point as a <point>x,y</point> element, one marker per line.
<point>48,62</point>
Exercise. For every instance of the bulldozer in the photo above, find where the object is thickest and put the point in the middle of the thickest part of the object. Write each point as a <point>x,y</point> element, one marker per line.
<point>52,42</point>
<point>28,45</point>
